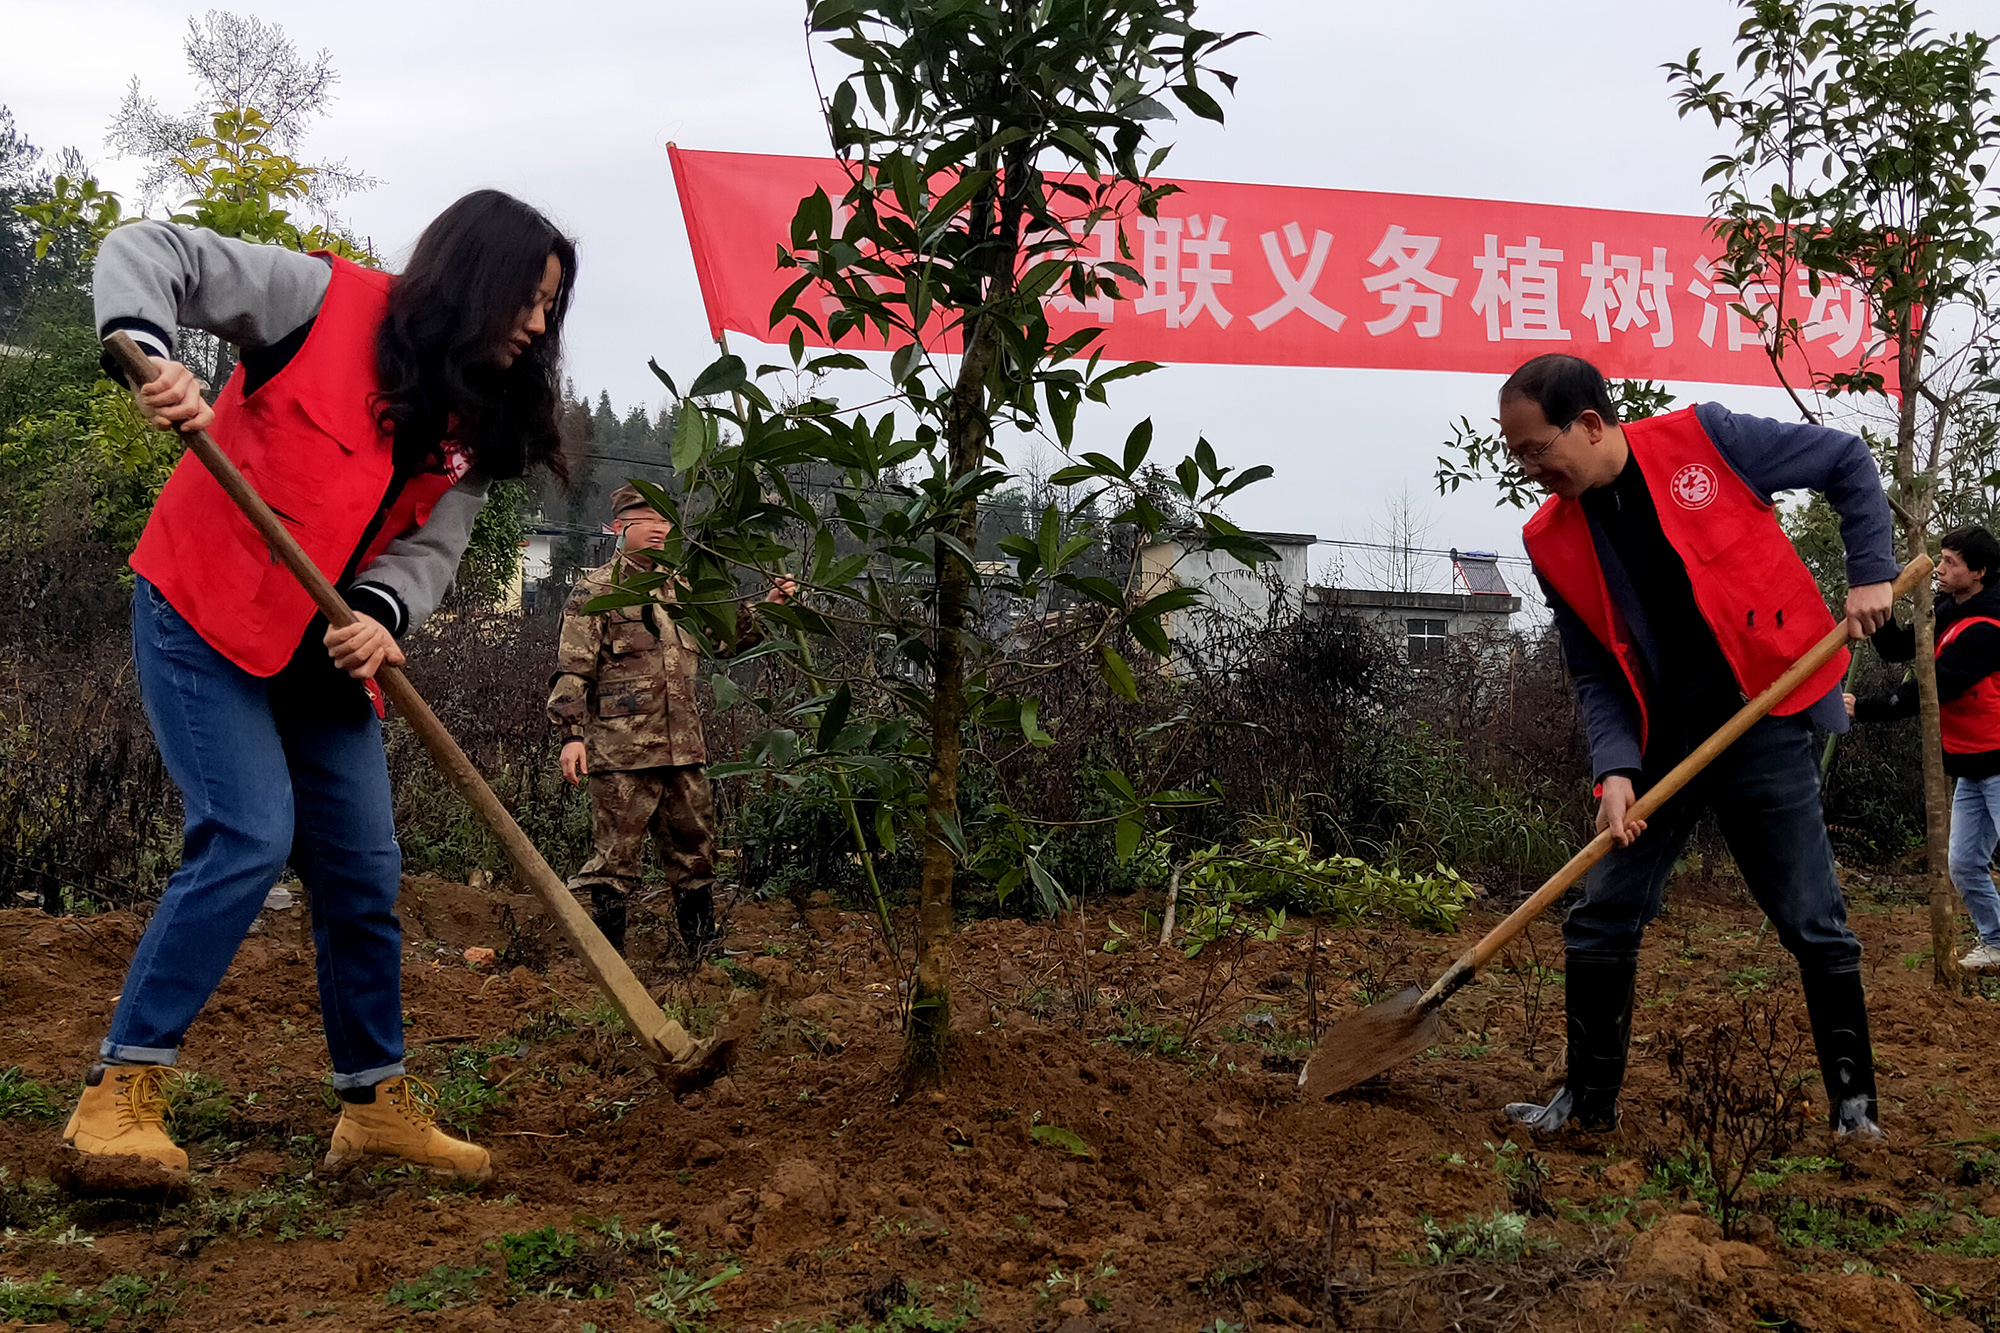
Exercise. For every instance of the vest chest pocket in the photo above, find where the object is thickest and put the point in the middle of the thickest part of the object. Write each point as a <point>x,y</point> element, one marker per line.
<point>634,696</point>
<point>1711,543</point>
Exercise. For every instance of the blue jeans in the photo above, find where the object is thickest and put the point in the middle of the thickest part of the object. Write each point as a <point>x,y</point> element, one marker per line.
<point>1764,790</point>
<point>1975,829</point>
<point>269,775</point>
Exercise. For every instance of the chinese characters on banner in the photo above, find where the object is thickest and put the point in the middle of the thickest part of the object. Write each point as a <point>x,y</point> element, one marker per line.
<point>1280,275</point>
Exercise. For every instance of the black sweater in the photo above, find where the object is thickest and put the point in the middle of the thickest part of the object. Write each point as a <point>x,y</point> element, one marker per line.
<point>1972,657</point>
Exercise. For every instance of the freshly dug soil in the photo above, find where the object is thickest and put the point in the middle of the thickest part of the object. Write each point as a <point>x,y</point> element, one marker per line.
<point>1084,1168</point>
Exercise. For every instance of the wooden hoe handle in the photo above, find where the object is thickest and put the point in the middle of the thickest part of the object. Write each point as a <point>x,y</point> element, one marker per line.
<point>1661,792</point>
<point>613,976</point>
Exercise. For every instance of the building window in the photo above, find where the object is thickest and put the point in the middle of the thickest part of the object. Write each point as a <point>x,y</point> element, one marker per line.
<point>1426,642</point>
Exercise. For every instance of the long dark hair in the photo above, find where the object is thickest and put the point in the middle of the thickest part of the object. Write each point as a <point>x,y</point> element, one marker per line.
<point>475,268</point>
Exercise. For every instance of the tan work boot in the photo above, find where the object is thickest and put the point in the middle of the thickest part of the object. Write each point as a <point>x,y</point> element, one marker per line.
<point>123,1113</point>
<point>402,1122</point>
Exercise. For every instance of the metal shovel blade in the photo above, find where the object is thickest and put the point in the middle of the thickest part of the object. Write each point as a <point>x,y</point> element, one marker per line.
<point>1375,1040</point>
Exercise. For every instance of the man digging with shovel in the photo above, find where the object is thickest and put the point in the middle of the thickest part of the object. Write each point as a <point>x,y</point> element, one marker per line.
<point>1677,596</point>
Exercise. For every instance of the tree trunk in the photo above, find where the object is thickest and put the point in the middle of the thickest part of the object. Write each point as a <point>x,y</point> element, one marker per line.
<point>930,992</point>
<point>1917,497</point>
<point>1937,796</point>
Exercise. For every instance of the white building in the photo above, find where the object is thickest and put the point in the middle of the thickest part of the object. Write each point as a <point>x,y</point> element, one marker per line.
<point>1479,604</point>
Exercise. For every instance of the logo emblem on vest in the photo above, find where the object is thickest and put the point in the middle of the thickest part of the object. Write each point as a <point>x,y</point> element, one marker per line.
<point>1693,486</point>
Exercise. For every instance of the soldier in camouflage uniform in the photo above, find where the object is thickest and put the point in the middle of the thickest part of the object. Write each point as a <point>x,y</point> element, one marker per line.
<point>624,692</point>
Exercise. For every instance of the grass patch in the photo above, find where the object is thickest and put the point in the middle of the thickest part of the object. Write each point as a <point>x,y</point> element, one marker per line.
<point>898,1308</point>
<point>464,1095</point>
<point>1501,1238</point>
<point>595,1259</point>
<point>289,1210</point>
<point>198,1108</point>
<point>21,1098</point>
<point>531,1255</point>
<point>1287,1045</point>
<point>443,1288</point>
<point>50,1300</point>
<point>32,1205</point>
<point>1861,1226</point>
<point>1783,1168</point>
<point>1143,1038</point>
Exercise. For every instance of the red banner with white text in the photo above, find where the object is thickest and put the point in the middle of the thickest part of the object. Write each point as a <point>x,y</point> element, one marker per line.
<point>1292,276</point>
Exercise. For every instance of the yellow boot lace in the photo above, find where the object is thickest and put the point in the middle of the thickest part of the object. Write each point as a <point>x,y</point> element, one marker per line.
<point>142,1098</point>
<point>416,1099</point>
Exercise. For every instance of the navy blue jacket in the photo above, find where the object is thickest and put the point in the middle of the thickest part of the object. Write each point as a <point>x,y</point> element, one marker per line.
<point>1771,457</point>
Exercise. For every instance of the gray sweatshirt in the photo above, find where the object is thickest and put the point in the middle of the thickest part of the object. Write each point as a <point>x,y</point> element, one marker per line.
<point>153,277</point>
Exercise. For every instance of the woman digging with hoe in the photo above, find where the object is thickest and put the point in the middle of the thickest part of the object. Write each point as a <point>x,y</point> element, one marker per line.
<point>372,412</point>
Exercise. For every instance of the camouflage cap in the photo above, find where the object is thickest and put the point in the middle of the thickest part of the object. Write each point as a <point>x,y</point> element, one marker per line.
<point>627,498</point>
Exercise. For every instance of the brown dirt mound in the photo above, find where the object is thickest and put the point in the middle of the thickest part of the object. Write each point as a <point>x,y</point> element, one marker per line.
<point>1080,1171</point>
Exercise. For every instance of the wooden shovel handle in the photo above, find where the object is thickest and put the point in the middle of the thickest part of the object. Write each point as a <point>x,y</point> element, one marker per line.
<point>613,976</point>
<point>1661,792</point>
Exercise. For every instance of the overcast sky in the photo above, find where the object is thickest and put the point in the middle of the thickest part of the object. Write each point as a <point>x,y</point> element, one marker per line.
<point>570,106</point>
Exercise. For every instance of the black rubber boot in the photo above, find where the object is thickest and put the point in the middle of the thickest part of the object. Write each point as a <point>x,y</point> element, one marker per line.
<point>607,909</point>
<point>1597,993</point>
<point>1839,1013</point>
<point>694,914</point>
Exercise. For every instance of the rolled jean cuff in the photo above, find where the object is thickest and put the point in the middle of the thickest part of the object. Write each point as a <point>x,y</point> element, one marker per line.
<point>367,1078</point>
<point>112,1053</point>
<point>1846,967</point>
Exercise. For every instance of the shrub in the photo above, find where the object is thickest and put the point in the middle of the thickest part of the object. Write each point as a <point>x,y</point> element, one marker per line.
<point>1277,873</point>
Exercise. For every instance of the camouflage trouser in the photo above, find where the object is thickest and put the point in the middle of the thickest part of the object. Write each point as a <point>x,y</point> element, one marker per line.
<point>674,806</point>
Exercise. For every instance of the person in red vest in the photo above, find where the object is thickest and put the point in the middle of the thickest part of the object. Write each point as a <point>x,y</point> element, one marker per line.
<point>1968,684</point>
<point>372,412</point>
<point>1677,596</point>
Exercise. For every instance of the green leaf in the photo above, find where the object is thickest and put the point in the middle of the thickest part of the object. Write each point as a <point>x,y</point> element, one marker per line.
<point>1117,673</point>
<point>727,692</point>
<point>733,768</point>
<point>1137,443</point>
<point>724,374</point>
<point>1151,637</point>
<point>1031,726</point>
<point>1049,893</point>
<point>834,718</point>
<point>616,601</point>
<point>1166,603</point>
<point>1126,837</point>
<point>954,836</point>
<point>662,376</point>
<point>1180,798</point>
<point>956,197</point>
<point>1197,101</point>
<point>1055,1136</point>
<point>691,436</point>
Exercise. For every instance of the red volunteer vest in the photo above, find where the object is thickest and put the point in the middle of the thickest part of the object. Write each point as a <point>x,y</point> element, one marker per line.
<point>1971,722</point>
<point>1757,596</point>
<point>307,441</point>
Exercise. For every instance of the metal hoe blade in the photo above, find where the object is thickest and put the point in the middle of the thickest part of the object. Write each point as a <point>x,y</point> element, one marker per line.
<point>1374,1041</point>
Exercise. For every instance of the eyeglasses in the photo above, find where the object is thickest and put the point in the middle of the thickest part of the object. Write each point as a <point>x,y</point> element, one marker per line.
<point>1530,455</point>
